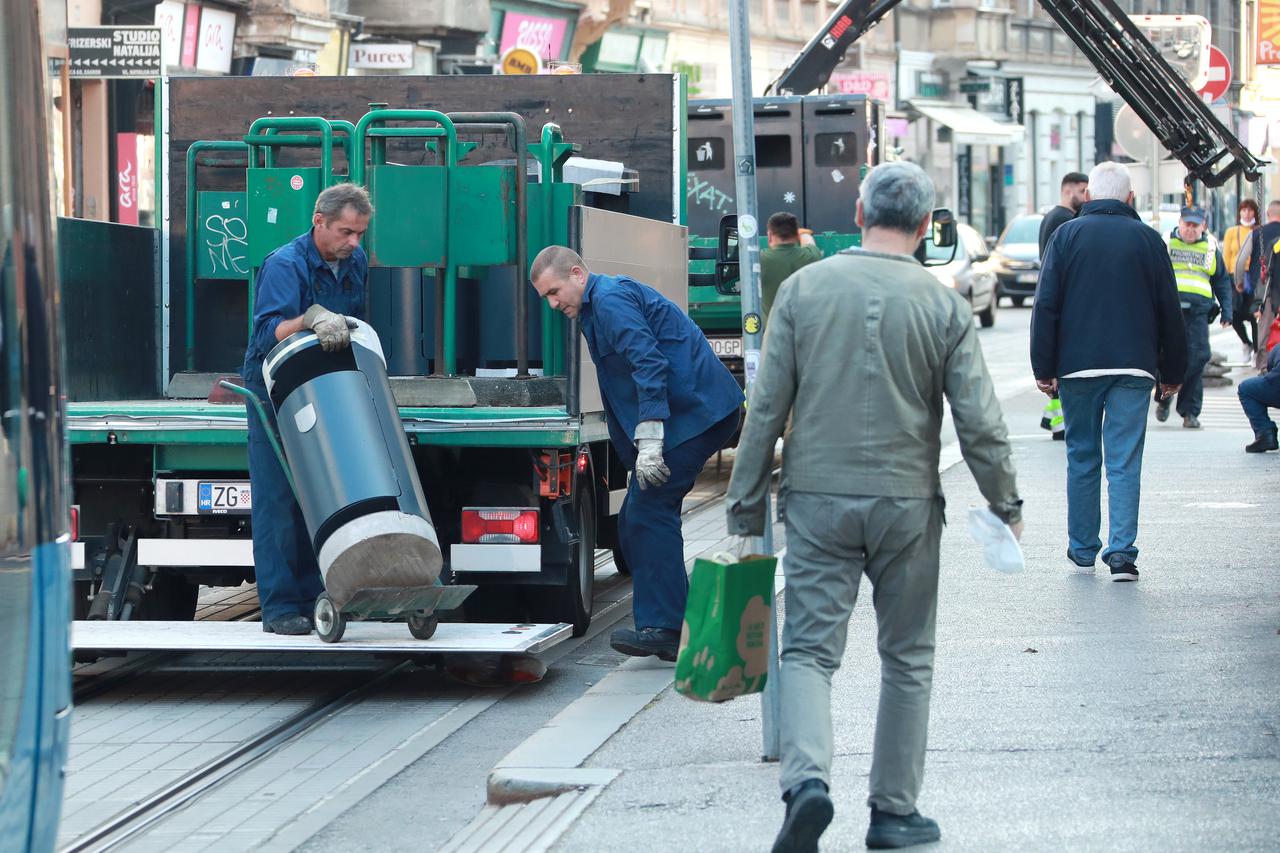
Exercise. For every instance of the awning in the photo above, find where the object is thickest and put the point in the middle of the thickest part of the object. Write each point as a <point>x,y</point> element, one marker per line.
<point>968,126</point>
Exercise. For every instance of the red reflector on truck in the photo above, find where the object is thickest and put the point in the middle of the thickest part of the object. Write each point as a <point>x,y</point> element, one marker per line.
<point>75,523</point>
<point>493,526</point>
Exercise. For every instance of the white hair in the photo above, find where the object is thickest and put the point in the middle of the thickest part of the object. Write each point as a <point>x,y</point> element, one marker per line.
<point>1110,180</point>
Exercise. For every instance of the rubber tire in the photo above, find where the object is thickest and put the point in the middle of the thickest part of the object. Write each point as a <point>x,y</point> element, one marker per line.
<point>423,627</point>
<point>330,624</point>
<point>987,318</point>
<point>607,537</point>
<point>572,602</point>
<point>1017,301</point>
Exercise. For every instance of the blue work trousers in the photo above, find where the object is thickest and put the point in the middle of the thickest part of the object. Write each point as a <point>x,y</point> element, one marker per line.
<point>649,530</point>
<point>1105,416</point>
<point>283,558</point>
<point>1256,396</point>
<point>1191,397</point>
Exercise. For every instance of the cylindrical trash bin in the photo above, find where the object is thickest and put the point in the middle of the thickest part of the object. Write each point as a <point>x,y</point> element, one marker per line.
<point>351,464</point>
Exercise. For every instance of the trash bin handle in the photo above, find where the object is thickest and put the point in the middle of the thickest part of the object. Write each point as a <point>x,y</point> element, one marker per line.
<point>266,427</point>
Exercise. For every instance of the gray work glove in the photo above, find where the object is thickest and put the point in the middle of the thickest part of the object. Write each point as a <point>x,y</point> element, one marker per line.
<point>333,330</point>
<point>650,469</point>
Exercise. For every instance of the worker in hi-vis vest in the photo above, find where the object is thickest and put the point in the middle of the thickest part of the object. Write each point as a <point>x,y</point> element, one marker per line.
<point>1204,286</point>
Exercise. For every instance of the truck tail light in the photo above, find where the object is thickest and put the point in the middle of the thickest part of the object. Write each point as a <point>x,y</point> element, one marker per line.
<point>493,526</point>
<point>75,523</point>
<point>584,459</point>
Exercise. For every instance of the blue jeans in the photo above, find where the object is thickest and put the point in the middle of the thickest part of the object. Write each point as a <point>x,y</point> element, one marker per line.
<point>1104,415</point>
<point>284,560</point>
<point>649,530</point>
<point>1256,396</point>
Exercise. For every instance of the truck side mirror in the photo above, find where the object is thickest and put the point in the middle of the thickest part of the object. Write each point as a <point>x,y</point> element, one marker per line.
<point>727,256</point>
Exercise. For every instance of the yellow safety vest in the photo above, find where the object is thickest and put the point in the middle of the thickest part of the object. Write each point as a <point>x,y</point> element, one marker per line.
<point>1193,266</point>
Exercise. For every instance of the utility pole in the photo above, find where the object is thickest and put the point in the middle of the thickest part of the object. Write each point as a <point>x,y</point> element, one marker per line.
<point>744,169</point>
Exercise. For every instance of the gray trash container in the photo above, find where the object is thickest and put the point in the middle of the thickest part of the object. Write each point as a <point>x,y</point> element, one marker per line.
<point>351,464</point>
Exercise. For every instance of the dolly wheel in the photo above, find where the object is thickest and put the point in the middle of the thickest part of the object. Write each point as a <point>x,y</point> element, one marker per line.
<point>423,625</point>
<point>329,622</point>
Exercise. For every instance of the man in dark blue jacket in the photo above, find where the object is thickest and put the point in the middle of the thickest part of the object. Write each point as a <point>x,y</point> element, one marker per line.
<point>1106,322</point>
<point>671,405</point>
<point>315,281</point>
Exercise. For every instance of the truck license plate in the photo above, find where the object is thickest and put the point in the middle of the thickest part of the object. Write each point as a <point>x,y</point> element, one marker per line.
<point>223,498</point>
<point>726,347</point>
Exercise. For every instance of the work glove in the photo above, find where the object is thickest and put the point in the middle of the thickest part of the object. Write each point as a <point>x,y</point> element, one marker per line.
<point>650,469</point>
<point>333,330</point>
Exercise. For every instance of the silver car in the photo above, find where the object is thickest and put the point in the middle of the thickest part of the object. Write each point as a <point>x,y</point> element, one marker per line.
<point>969,271</point>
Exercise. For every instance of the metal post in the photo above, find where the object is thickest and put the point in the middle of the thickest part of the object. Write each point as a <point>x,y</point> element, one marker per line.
<point>744,157</point>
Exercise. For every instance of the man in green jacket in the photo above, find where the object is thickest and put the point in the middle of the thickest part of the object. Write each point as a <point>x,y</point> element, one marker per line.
<point>788,251</point>
<point>859,352</point>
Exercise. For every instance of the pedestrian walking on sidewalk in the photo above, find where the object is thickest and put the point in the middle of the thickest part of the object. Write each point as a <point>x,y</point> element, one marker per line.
<point>1204,290</point>
<point>1106,321</point>
<point>671,406</point>
<point>1070,201</point>
<point>1256,396</point>
<point>1236,249</point>
<point>859,352</point>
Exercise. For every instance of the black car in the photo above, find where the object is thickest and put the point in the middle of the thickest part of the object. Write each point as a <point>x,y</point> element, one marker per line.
<point>1016,258</point>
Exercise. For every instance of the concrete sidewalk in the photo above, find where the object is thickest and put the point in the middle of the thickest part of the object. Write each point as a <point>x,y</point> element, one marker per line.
<point>1069,712</point>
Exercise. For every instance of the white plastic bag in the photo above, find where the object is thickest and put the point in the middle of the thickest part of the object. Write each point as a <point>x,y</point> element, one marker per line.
<point>1000,547</point>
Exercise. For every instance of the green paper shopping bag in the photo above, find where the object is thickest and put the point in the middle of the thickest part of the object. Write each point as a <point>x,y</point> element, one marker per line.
<point>725,643</point>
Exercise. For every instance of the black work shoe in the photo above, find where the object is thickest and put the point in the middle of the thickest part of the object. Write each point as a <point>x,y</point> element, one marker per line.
<point>1263,443</point>
<point>1190,422</point>
<point>663,642</point>
<point>291,625</point>
<point>1122,572</point>
<point>809,811</point>
<point>1059,436</point>
<point>891,831</point>
<point>1162,410</point>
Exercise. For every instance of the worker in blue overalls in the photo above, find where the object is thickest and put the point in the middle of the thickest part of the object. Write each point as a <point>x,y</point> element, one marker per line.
<point>671,405</point>
<point>315,282</point>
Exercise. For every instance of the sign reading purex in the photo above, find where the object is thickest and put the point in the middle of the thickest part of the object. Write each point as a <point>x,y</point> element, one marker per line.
<point>114,51</point>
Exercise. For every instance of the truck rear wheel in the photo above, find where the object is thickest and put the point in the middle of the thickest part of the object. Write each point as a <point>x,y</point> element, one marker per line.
<point>572,602</point>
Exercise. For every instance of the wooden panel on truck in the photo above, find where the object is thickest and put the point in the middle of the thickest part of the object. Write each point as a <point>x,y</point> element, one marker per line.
<point>652,253</point>
<point>632,118</point>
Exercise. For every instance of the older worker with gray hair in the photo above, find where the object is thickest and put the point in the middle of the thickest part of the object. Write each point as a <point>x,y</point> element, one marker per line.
<point>860,350</point>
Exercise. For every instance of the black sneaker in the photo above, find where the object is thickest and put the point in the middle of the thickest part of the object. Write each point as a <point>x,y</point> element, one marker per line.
<point>809,812</point>
<point>291,625</point>
<point>1060,435</point>
<point>891,831</point>
<point>1124,572</point>
<point>1263,443</point>
<point>1190,422</point>
<point>663,642</point>
<point>1162,410</point>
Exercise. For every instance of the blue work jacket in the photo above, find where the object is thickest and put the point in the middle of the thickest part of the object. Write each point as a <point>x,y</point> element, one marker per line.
<point>291,280</point>
<point>653,364</point>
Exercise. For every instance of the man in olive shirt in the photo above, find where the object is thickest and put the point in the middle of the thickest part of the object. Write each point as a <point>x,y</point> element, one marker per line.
<point>859,353</point>
<point>788,251</point>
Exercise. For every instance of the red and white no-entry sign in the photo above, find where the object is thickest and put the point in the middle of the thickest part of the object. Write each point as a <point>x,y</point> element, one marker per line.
<point>1219,75</point>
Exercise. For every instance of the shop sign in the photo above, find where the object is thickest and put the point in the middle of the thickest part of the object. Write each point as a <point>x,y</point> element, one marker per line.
<point>217,35</point>
<point>964,184</point>
<point>543,36</point>
<point>127,178</point>
<point>381,56</point>
<point>520,60</point>
<point>1268,32</point>
<point>975,85</point>
<point>190,36</point>
<point>169,17</point>
<point>873,84</point>
<point>113,52</point>
<point>932,84</point>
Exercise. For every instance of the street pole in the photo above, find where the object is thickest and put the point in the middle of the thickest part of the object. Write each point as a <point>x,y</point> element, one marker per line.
<point>744,168</point>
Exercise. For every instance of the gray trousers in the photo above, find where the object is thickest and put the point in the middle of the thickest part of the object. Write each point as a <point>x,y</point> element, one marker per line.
<point>831,541</point>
